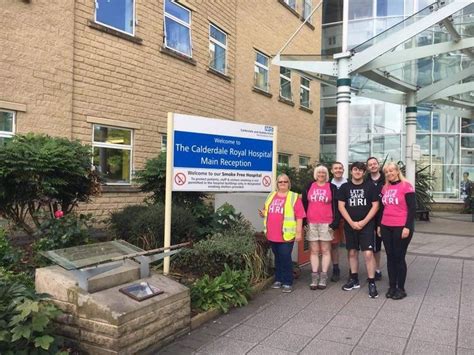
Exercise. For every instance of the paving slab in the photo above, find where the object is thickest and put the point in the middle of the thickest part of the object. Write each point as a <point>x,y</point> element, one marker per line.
<point>437,317</point>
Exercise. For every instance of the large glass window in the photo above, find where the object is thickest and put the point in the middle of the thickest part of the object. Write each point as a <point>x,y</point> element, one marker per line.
<point>388,117</point>
<point>217,49</point>
<point>445,149</point>
<point>7,125</point>
<point>389,8</point>
<point>328,120</point>
<point>112,149</point>
<point>359,147</point>
<point>178,28</point>
<point>285,83</point>
<point>387,146</point>
<point>445,182</point>
<point>332,11</point>
<point>305,90</point>
<point>360,9</point>
<point>261,72</point>
<point>328,148</point>
<point>118,14</point>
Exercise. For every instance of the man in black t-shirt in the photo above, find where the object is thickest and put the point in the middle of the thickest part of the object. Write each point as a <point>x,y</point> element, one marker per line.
<point>376,176</point>
<point>358,204</point>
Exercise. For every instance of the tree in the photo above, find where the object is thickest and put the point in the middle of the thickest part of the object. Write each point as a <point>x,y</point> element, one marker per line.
<point>40,175</point>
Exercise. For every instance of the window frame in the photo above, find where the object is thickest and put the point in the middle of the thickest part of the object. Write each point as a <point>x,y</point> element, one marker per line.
<point>164,142</point>
<point>288,2</point>
<point>220,44</point>
<point>115,146</point>
<point>288,79</point>
<point>283,155</point>
<point>299,161</point>
<point>267,68</point>
<point>181,22</point>
<point>304,14</point>
<point>307,88</point>
<point>9,134</point>
<point>134,20</point>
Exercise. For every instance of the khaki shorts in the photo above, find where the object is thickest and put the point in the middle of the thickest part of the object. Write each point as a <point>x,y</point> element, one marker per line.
<point>319,232</point>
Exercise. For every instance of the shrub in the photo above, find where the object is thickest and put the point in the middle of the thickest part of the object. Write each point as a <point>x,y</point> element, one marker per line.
<point>230,289</point>
<point>26,325</point>
<point>235,246</point>
<point>143,226</point>
<point>41,174</point>
<point>152,179</point>
<point>9,256</point>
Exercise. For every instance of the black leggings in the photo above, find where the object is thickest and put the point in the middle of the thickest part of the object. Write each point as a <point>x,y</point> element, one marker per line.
<point>396,249</point>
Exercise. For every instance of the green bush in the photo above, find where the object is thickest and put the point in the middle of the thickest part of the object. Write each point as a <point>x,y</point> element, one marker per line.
<point>39,175</point>
<point>235,246</point>
<point>230,289</point>
<point>152,179</point>
<point>26,325</point>
<point>9,256</point>
<point>69,231</point>
<point>143,226</point>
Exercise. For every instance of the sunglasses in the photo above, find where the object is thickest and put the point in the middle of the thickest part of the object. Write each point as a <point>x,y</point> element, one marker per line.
<point>283,182</point>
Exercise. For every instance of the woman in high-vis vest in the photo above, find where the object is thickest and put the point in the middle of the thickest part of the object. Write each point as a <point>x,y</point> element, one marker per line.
<point>283,220</point>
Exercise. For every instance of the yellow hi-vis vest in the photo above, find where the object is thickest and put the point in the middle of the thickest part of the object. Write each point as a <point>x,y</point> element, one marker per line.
<point>289,220</point>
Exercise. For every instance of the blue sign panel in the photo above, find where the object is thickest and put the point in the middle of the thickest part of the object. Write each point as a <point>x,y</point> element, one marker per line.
<point>209,151</point>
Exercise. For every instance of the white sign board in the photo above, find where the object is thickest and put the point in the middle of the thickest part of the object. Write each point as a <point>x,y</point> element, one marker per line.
<point>221,155</point>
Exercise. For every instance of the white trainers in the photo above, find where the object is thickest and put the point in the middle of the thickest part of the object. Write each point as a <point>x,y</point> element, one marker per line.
<point>276,284</point>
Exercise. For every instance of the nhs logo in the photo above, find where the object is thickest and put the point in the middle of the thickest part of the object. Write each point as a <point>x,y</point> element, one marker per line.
<point>268,129</point>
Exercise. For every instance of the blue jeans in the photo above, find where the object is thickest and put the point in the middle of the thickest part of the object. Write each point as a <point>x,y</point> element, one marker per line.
<point>283,262</point>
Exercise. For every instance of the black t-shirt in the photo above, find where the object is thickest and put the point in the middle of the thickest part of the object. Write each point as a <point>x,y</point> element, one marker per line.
<point>358,198</point>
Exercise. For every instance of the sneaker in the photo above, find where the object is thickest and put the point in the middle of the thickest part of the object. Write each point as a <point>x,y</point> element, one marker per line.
<point>399,294</point>
<point>390,292</point>
<point>323,280</point>
<point>314,281</point>
<point>351,284</point>
<point>287,288</point>
<point>373,291</point>
<point>378,275</point>
<point>276,284</point>
<point>336,276</point>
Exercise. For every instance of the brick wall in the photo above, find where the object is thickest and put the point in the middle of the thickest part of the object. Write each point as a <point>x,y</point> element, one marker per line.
<point>266,25</point>
<point>36,61</point>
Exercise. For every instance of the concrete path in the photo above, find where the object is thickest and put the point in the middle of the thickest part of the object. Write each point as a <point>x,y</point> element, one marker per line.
<point>437,317</point>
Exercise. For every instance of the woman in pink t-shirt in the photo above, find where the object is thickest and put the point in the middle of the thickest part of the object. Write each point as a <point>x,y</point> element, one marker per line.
<point>397,226</point>
<point>283,213</point>
<point>322,217</point>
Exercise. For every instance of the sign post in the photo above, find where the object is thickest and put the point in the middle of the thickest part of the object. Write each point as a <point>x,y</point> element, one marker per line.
<point>213,155</point>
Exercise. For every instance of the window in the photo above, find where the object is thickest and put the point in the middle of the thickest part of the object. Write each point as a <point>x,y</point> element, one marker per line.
<point>283,159</point>
<point>261,72</point>
<point>291,3</point>
<point>7,125</point>
<point>217,49</point>
<point>178,28</point>
<point>304,93</point>
<point>112,150</point>
<point>304,162</point>
<point>307,7</point>
<point>285,83</point>
<point>164,142</point>
<point>118,14</point>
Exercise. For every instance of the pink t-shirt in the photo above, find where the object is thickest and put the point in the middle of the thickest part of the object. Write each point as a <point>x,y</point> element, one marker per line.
<point>319,204</point>
<point>395,206</point>
<point>275,217</point>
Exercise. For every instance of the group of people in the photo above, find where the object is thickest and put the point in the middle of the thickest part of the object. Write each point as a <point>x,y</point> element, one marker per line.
<point>370,208</point>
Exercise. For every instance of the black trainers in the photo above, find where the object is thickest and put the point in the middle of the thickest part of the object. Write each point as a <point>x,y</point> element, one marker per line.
<point>336,276</point>
<point>373,291</point>
<point>351,284</point>
<point>399,294</point>
<point>390,292</point>
<point>378,275</point>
